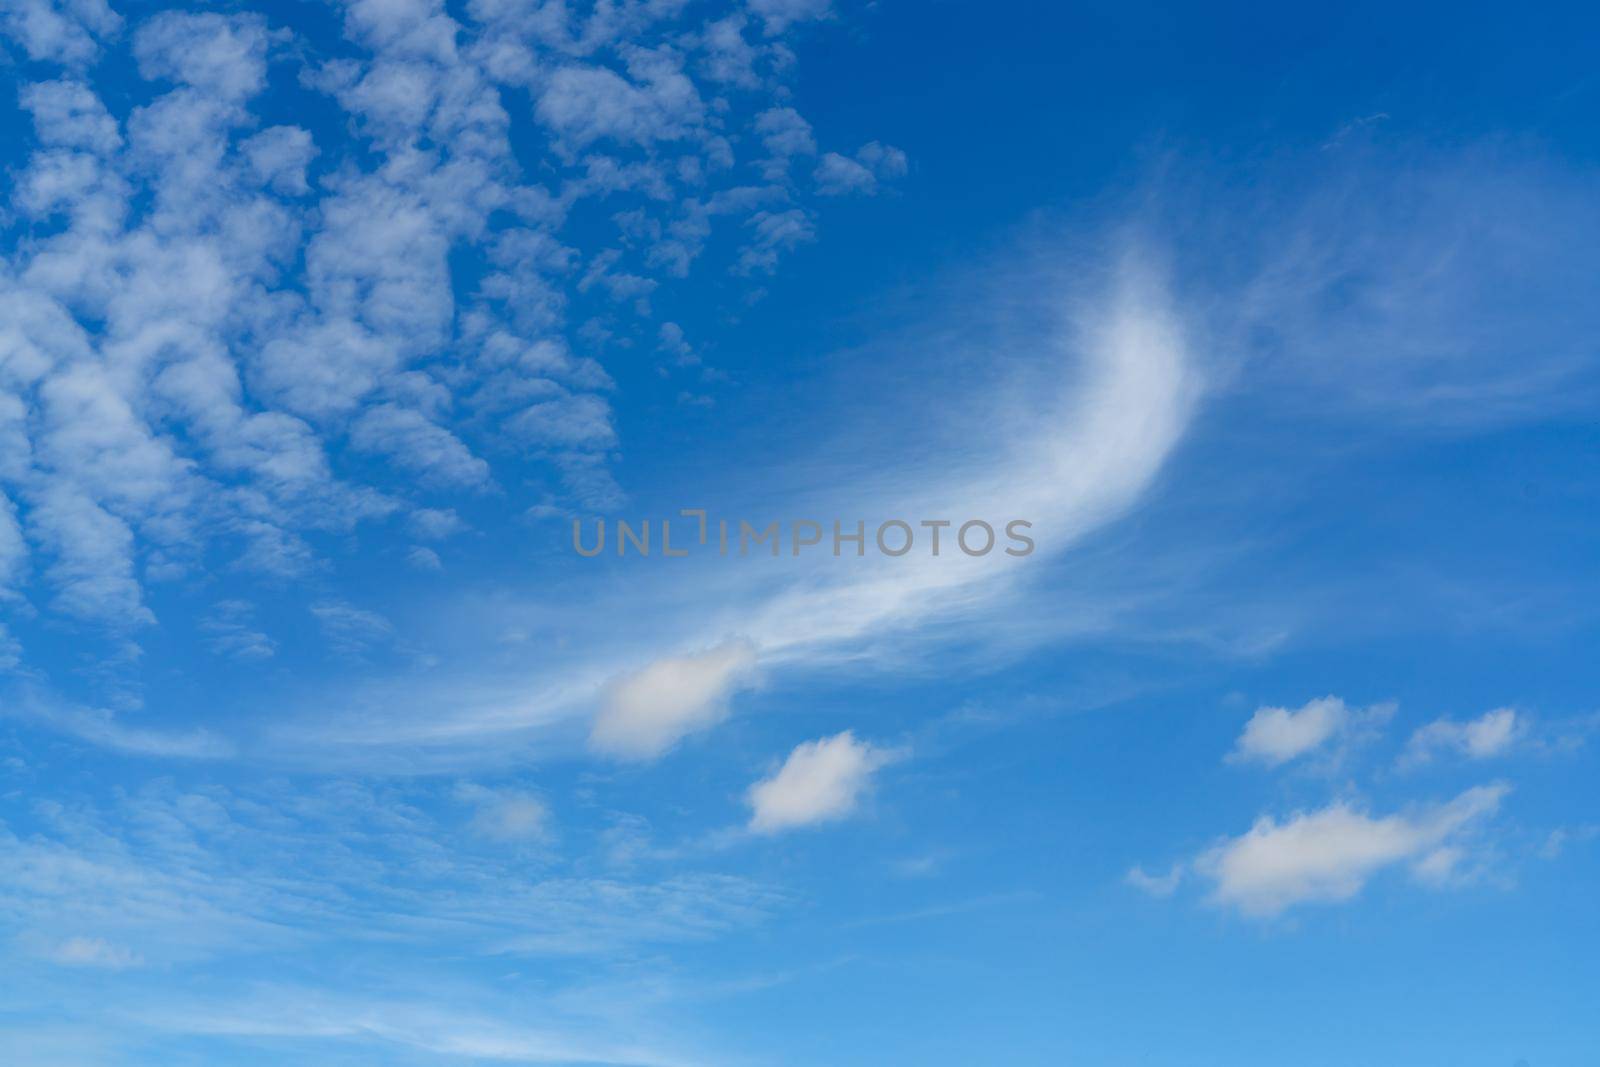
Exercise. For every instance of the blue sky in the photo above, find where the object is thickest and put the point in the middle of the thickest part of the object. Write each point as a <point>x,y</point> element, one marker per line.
<point>321,324</point>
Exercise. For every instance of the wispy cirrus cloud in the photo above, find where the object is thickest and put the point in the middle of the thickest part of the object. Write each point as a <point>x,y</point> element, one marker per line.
<point>209,894</point>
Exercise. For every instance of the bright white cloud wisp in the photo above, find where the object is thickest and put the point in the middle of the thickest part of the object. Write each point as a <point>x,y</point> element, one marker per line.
<point>1116,385</point>
<point>1491,734</point>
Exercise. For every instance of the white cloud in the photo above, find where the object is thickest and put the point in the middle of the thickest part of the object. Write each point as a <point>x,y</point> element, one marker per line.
<point>581,421</point>
<point>415,443</point>
<point>586,104</point>
<point>197,336</point>
<point>821,781</point>
<point>68,114</point>
<point>786,135</point>
<point>1111,400</point>
<point>647,712</point>
<point>1491,734</point>
<point>93,559</point>
<point>885,160</point>
<point>729,57</point>
<point>63,31</point>
<point>1277,735</point>
<point>838,175</point>
<point>670,339</point>
<point>221,54</point>
<point>1329,855</point>
<point>1156,885</point>
<point>773,234</point>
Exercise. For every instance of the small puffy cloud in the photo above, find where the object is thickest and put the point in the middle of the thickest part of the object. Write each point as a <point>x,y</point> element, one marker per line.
<point>585,104</point>
<point>1329,855</point>
<point>505,814</point>
<point>573,421</point>
<point>728,57</point>
<point>65,31</point>
<point>838,175</point>
<point>786,135</point>
<point>670,339</point>
<point>645,713</point>
<point>785,132</point>
<point>1156,885</point>
<point>221,54</point>
<point>68,114</point>
<point>820,781</point>
<point>1491,734</point>
<point>1274,736</point>
<point>622,285</point>
<point>1277,735</point>
<point>886,161</point>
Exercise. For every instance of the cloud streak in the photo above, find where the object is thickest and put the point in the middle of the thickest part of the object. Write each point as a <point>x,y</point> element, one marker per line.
<point>1112,383</point>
